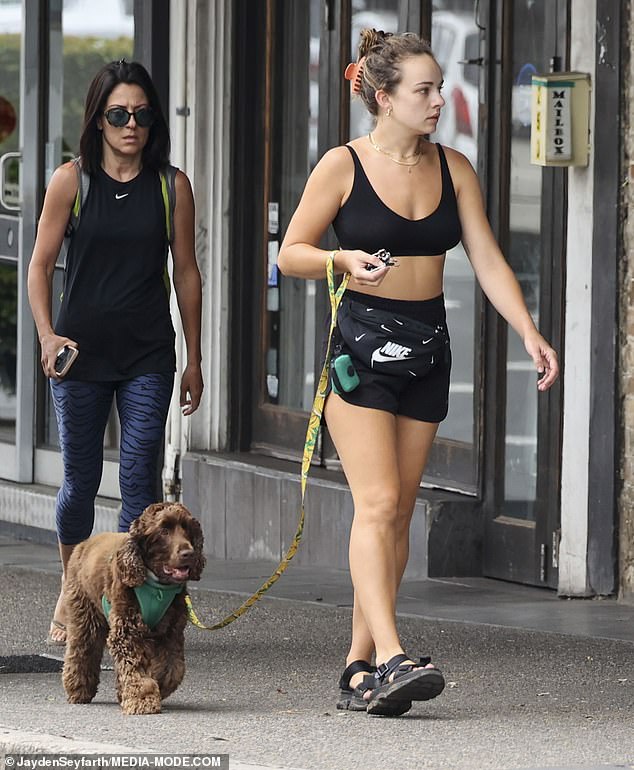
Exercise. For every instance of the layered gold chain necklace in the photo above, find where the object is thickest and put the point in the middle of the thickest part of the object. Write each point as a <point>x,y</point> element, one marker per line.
<point>402,161</point>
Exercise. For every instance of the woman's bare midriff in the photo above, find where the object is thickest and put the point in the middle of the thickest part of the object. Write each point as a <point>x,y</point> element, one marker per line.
<point>415,278</point>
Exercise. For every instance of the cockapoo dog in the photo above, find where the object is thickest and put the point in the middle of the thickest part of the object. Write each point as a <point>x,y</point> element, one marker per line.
<point>126,590</point>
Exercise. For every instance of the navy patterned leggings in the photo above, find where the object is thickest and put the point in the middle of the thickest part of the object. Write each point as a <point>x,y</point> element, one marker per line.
<point>82,410</point>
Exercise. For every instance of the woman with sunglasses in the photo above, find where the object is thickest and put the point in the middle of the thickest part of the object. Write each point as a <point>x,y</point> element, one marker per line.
<point>115,307</point>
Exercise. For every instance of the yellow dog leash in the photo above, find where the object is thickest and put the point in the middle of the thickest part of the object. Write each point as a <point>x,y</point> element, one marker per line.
<point>312,433</point>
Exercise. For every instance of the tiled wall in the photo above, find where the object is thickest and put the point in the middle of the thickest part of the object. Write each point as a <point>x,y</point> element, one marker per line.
<point>33,507</point>
<point>251,512</point>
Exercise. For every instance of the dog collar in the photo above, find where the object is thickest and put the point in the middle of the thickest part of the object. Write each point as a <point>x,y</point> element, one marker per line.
<point>154,600</point>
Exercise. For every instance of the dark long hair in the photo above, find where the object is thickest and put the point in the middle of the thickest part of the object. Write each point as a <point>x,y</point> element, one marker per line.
<point>157,149</point>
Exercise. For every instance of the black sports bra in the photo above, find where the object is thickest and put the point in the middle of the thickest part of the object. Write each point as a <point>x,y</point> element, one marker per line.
<point>365,222</point>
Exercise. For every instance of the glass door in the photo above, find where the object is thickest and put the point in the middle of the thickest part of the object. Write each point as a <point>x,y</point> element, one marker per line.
<point>455,41</point>
<point>286,366</point>
<point>49,52</point>
<point>10,54</point>
<point>83,36</point>
<point>523,511</point>
<point>20,111</point>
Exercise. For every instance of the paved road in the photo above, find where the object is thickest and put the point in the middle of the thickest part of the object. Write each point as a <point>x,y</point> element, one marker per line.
<point>263,691</point>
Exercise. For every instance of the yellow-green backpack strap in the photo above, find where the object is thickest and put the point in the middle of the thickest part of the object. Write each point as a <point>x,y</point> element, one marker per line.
<point>83,185</point>
<point>168,193</point>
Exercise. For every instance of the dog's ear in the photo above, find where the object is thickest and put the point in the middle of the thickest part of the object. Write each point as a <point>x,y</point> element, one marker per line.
<point>195,534</point>
<point>129,565</point>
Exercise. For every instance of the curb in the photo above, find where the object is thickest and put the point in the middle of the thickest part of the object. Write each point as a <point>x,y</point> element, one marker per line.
<point>21,742</point>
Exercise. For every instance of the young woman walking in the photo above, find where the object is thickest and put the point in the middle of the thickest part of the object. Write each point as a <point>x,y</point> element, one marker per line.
<point>395,190</point>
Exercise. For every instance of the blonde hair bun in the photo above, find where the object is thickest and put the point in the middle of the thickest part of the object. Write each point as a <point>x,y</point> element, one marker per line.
<point>384,52</point>
<point>371,38</point>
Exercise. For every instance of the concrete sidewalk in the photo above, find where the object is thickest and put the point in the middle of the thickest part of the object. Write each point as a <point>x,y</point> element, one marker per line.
<point>533,681</point>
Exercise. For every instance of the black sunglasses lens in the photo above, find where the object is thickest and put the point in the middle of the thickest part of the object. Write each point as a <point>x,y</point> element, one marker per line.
<point>144,117</point>
<point>117,117</point>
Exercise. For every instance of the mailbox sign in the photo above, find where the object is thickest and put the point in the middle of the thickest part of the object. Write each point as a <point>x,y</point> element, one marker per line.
<point>559,120</point>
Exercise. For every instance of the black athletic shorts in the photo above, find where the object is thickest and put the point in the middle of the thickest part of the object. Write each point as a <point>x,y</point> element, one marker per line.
<point>424,398</point>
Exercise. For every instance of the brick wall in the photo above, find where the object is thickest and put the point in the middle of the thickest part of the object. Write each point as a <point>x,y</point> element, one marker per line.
<point>626,497</point>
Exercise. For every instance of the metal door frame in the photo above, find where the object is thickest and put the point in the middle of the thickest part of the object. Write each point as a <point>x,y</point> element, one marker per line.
<point>17,460</point>
<point>528,549</point>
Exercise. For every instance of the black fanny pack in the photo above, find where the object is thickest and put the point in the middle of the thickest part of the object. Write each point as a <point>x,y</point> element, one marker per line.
<point>389,342</point>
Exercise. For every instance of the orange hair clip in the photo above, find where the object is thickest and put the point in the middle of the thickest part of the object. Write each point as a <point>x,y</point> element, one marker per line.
<point>354,73</point>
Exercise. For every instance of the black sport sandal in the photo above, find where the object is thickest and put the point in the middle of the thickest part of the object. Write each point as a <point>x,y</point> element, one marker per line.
<point>409,683</point>
<point>353,700</point>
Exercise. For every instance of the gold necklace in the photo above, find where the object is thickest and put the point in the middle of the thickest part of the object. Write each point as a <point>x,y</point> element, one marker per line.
<point>418,155</point>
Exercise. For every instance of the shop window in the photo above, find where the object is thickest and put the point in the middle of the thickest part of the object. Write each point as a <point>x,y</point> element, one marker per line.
<point>92,33</point>
<point>290,320</point>
<point>308,110</point>
<point>10,53</point>
<point>455,40</point>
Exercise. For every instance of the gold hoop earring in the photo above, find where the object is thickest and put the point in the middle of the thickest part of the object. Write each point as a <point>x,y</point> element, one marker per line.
<point>388,112</point>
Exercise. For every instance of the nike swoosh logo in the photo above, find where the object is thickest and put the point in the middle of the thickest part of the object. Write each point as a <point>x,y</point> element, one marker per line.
<point>356,339</point>
<point>385,328</point>
<point>425,342</point>
<point>123,195</point>
<point>378,356</point>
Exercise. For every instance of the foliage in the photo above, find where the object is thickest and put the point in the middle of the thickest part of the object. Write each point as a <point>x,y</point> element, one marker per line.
<point>8,308</point>
<point>83,57</point>
<point>10,81</point>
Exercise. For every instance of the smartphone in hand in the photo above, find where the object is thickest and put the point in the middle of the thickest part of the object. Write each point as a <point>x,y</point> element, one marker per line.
<point>64,359</point>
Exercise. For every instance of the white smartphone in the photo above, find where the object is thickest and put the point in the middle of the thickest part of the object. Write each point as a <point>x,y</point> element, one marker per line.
<point>64,359</point>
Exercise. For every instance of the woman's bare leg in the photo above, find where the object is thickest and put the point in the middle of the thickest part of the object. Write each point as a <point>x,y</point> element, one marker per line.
<point>383,457</point>
<point>413,440</point>
<point>413,447</point>
<point>56,633</point>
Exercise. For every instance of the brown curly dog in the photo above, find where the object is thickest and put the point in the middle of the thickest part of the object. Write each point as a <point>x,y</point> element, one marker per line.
<point>134,571</point>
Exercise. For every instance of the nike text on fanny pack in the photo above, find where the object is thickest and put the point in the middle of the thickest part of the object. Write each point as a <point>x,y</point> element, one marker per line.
<point>391,351</point>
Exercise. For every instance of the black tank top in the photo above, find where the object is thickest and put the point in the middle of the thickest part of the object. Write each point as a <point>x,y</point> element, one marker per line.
<point>115,302</point>
<point>365,222</point>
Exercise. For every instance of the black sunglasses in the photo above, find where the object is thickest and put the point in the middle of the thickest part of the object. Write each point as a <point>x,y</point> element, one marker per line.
<point>118,117</point>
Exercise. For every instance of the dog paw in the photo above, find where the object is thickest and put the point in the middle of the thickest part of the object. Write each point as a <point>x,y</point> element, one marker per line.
<point>79,697</point>
<point>141,697</point>
<point>144,706</point>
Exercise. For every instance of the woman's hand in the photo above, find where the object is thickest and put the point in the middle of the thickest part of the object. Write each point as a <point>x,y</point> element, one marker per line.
<point>191,389</point>
<point>51,344</point>
<point>544,357</point>
<point>356,262</point>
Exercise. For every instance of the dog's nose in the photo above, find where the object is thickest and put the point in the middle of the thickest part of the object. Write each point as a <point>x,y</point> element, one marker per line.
<point>186,552</point>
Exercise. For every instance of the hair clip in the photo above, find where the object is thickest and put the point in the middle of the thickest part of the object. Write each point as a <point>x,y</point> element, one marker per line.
<point>354,73</point>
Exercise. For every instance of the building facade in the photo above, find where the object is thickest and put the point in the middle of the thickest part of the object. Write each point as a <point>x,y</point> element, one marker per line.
<point>534,488</point>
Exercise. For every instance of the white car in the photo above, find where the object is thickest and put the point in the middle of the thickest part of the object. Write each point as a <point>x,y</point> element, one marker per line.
<point>455,40</point>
